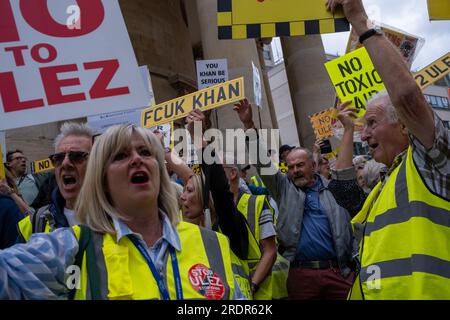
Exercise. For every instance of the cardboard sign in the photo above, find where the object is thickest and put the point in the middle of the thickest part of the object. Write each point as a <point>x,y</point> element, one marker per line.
<point>41,166</point>
<point>2,166</point>
<point>355,78</point>
<point>211,72</point>
<point>433,72</point>
<point>56,65</point>
<point>243,19</point>
<point>439,9</point>
<point>408,45</point>
<point>205,99</point>
<point>257,91</point>
<point>321,123</point>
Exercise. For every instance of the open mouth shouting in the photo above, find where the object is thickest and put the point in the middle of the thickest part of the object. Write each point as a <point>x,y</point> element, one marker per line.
<point>139,178</point>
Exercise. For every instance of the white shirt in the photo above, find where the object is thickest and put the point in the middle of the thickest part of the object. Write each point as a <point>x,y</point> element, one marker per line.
<point>70,216</point>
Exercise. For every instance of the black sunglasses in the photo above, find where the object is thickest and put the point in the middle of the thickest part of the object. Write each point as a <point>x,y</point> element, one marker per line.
<point>74,156</point>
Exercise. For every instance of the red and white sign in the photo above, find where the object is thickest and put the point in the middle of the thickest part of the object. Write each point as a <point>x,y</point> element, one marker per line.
<point>65,59</point>
<point>206,282</point>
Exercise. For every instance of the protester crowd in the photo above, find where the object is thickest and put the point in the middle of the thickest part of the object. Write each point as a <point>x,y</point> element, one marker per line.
<point>363,228</point>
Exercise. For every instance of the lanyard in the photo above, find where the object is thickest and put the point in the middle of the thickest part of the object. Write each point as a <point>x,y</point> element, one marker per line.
<point>156,275</point>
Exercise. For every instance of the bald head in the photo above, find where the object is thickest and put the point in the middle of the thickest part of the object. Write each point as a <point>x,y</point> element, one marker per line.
<point>301,167</point>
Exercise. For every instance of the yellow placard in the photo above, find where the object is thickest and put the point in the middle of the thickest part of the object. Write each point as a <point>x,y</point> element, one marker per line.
<point>2,166</point>
<point>355,78</point>
<point>332,154</point>
<point>196,168</point>
<point>205,99</point>
<point>42,165</point>
<point>439,9</point>
<point>433,72</point>
<point>242,19</point>
<point>282,167</point>
<point>321,123</point>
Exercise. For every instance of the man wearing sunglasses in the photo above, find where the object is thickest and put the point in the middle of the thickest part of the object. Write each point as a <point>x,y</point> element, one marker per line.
<point>72,148</point>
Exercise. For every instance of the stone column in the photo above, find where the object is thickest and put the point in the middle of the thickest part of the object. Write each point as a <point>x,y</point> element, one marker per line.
<point>310,87</point>
<point>160,36</point>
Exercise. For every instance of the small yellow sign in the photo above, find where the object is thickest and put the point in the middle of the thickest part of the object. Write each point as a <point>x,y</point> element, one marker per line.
<point>355,78</point>
<point>205,99</point>
<point>433,72</point>
<point>42,165</point>
<point>332,154</point>
<point>282,167</point>
<point>243,19</point>
<point>2,166</point>
<point>321,123</point>
<point>196,168</point>
<point>439,9</point>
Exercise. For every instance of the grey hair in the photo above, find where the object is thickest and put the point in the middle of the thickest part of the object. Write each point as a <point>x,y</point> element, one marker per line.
<point>371,173</point>
<point>308,152</point>
<point>382,99</point>
<point>73,129</point>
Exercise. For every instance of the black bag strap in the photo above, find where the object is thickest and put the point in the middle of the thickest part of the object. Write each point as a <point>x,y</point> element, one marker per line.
<point>86,244</point>
<point>92,270</point>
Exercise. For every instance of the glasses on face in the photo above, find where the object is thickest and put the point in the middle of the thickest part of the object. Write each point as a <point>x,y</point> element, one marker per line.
<point>20,158</point>
<point>74,156</point>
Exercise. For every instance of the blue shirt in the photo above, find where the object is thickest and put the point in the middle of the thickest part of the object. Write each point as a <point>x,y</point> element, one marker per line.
<point>36,269</point>
<point>316,240</point>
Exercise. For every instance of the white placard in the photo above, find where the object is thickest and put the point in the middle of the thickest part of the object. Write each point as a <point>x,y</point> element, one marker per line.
<point>52,69</point>
<point>145,74</point>
<point>257,85</point>
<point>101,122</point>
<point>211,72</point>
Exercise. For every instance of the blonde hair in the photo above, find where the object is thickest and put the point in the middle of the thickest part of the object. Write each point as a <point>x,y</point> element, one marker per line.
<point>94,207</point>
<point>198,183</point>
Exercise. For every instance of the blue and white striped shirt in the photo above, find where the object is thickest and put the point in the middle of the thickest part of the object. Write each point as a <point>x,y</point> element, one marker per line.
<point>37,269</point>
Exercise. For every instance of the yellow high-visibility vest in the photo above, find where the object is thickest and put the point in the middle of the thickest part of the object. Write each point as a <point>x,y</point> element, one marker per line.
<point>124,274</point>
<point>274,286</point>
<point>242,275</point>
<point>405,246</point>
<point>257,181</point>
<point>25,227</point>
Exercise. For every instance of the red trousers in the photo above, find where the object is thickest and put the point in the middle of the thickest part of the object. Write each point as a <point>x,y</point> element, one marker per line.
<point>314,284</point>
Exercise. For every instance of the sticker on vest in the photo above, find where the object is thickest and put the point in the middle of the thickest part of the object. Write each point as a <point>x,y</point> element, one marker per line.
<point>206,282</point>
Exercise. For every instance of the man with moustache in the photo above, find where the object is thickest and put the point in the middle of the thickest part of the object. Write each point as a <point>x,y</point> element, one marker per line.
<point>312,227</point>
<point>72,147</point>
